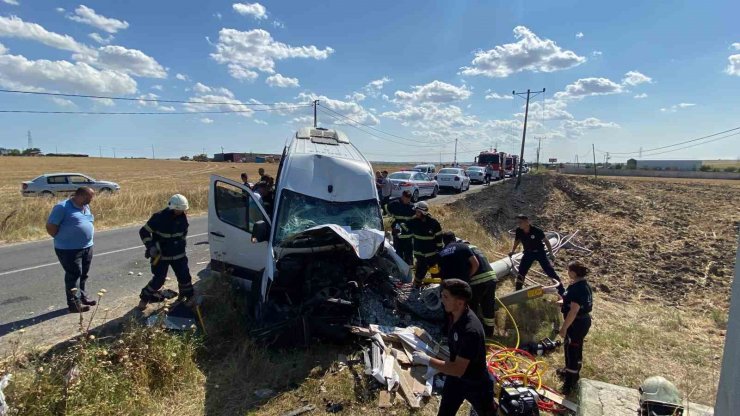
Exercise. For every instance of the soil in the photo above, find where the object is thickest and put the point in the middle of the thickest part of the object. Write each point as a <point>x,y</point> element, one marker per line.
<point>673,243</point>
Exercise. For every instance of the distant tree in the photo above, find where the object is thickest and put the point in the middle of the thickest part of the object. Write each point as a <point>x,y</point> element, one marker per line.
<point>185,158</point>
<point>730,169</point>
<point>618,166</point>
<point>705,168</point>
<point>201,158</point>
<point>13,152</point>
<point>31,151</point>
<point>631,164</point>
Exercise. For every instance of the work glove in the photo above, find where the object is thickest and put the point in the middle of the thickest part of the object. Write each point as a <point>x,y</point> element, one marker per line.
<point>153,252</point>
<point>420,358</point>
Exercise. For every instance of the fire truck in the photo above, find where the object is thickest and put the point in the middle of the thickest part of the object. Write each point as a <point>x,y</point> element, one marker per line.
<point>495,158</point>
<point>511,166</point>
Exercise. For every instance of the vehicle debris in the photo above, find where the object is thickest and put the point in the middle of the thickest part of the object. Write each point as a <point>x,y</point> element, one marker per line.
<point>4,408</point>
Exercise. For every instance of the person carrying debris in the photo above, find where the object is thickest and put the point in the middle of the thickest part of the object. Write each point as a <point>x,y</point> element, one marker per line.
<point>489,174</point>
<point>427,240</point>
<point>467,372</point>
<point>577,305</point>
<point>402,212</point>
<point>459,260</point>
<point>70,224</point>
<point>533,241</point>
<point>164,236</point>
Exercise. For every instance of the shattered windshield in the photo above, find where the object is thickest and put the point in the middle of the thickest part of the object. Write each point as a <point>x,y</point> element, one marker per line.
<point>300,212</point>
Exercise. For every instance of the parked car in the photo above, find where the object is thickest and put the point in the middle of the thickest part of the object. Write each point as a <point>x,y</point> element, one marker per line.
<point>415,182</point>
<point>476,174</point>
<point>54,184</point>
<point>429,170</point>
<point>453,178</point>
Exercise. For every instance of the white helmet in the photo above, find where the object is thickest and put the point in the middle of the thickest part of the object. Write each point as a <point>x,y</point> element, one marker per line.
<point>422,206</point>
<point>178,202</point>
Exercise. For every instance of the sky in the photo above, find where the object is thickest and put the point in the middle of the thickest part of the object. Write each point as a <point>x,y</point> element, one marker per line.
<point>404,79</point>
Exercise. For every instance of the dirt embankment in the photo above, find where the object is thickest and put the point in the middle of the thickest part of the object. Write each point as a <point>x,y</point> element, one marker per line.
<point>672,243</point>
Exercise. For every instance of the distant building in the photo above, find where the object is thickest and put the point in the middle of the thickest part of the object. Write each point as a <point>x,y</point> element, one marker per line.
<point>4,151</point>
<point>669,164</point>
<point>245,158</point>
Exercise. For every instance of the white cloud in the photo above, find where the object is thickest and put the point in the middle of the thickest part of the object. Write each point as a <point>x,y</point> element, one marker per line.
<point>60,9</point>
<point>640,96</point>
<point>130,61</point>
<point>256,49</point>
<point>302,120</point>
<point>585,87</point>
<point>262,122</point>
<point>373,88</point>
<point>433,92</point>
<point>496,96</point>
<point>63,102</point>
<point>433,117</point>
<point>12,2</point>
<point>101,40</point>
<point>157,87</point>
<point>222,99</point>
<point>733,68</point>
<point>676,107</point>
<point>529,53</point>
<point>182,77</point>
<point>206,120</point>
<point>579,35</point>
<point>86,15</point>
<point>633,78</point>
<point>278,24</point>
<point>19,72</point>
<point>575,128</point>
<point>242,74</point>
<point>107,102</point>
<point>349,109</point>
<point>15,27</point>
<point>552,110</point>
<point>597,53</point>
<point>145,100</point>
<point>735,46</point>
<point>255,10</point>
<point>356,97</point>
<point>218,16</point>
<point>280,81</point>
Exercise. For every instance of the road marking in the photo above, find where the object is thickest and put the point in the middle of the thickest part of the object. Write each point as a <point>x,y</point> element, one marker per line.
<point>94,255</point>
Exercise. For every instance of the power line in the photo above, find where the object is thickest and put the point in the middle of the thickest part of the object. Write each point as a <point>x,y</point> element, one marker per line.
<point>671,145</point>
<point>150,112</point>
<point>150,100</point>
<point>371,127</point>
<point>694,145</point>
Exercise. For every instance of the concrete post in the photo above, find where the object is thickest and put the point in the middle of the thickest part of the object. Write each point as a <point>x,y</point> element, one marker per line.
<point>728,395</point>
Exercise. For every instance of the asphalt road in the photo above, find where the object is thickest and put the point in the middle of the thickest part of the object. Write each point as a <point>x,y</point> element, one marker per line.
<point>32,280</point>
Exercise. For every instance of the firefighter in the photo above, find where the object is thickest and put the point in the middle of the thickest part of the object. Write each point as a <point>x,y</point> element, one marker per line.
<point>427,240</point>
<point>459,260</point>
<point>402,212</point>
<point>164,237</point>
<point>577,305</point>
<point>467,371</point>
<point>533,241</point>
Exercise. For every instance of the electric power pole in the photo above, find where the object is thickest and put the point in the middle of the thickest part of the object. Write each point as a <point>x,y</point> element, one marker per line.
<point>100,151</point>
<point>152,152</point>
<point>593,150</point>
<point>30,140</point>
<point>315,119</point>
<point>114,153</point>
<point>524,130</point>
<point>539,145</point>
<point>455,152</point>
<point>640,152</point>
<point>577,164</point>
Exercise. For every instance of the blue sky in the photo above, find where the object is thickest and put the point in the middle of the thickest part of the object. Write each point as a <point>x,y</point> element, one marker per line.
<point>416,75</point>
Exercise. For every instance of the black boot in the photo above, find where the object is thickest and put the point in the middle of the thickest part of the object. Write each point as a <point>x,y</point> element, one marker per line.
<point>86,301</point>
<point>77,308</point>
<point>570,383</point>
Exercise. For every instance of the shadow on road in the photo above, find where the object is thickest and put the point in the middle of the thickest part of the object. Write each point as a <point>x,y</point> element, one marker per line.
<point>5,329</point>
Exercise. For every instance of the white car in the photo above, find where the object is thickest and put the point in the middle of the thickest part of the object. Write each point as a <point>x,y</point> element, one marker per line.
<point>476,174</point>
<point>429,170</point>
<point>64,184</point>
<point>453,178</point>
<point>417,183</point>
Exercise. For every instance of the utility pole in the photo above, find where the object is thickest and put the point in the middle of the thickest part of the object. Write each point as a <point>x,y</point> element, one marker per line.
<point>640,152</point>
<point>315,119</point>
<point>539,145</point>
<point>524,130</point>
<point>593,150</point>
<point>455,152</point>
<point>100,151</point>
<point>222,150</point>
<point>577,164</point>
<point>114,153</point>
<point>152,152</point>
<point>30,140</point>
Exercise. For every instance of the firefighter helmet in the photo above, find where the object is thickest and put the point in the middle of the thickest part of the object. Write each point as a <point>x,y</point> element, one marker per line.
<point>178,202</point>
<point>659,396</point>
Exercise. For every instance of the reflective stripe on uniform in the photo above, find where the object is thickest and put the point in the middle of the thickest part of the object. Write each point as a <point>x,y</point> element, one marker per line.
<point>148,228</point>
<point>165,235</point>
<point>401,217</point>
<point>489,322</point>
<point>146,240</point>
<point>483,277</point>
<point>420,254</point>
<point>404,235</point>
<point>177,257</point>
<point>423,237</point>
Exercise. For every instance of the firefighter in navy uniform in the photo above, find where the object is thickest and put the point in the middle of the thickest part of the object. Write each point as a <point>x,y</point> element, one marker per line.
<point>467,372</point>
<point>402,212</point>
<point>533,241</point>
<point>459,260</point>
<point>577,305</point>
<point>164,236</point>
<point>427,240</point>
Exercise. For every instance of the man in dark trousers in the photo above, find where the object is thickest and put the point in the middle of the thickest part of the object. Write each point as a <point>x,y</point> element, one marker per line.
<point>71,225</point>
<point>533,241</point>
<point>427,240</point>
<point>467,374</point>
<point>402,212</point>
<point>459,260</point>
<point>164,236</point>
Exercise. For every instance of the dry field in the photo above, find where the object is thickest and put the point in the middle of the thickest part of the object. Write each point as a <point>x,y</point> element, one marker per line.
<point>145,187</point>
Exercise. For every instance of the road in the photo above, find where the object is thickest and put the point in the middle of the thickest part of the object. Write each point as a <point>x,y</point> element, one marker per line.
<point>33,284</point>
